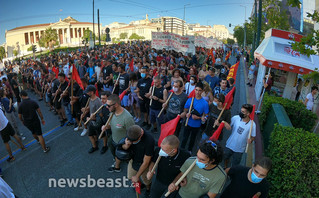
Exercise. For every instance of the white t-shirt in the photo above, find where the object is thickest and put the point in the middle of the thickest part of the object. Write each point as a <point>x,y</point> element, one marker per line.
<point>189,88</point>
<point>310,101</point>
<point>3,120</point>
<point>66,69</point>
<point>5,190</point>
<point>98,71</point>
<point>240,131</point>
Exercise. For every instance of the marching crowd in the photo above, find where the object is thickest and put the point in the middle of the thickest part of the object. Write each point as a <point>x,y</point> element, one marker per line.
<point>123,94</point>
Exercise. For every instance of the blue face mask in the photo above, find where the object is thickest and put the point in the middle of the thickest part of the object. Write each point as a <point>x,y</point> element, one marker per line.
<point>200,165</point>
<point>143,75</point>
<point>215,103</point>
<point>254,177</point>
<point>162,153</point>
<point>137,141</point>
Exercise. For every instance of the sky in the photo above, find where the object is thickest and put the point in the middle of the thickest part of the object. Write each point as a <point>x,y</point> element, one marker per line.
<point>206,12</point>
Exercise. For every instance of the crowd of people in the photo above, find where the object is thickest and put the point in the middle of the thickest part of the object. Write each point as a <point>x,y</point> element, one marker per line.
<point>148,81</point>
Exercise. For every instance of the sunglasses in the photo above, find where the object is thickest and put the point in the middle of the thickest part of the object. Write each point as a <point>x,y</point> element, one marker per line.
<point>212,144</point>
<point>110,105</point>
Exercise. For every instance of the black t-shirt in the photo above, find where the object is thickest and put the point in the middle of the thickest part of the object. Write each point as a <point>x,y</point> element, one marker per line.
<point>65,99</point>
<point>123,82</point>
<point>144,147</point>
<point>158,92</point>
<point>106,71</point>
<point>212,116</point>
<point>28,110</point>
<point>15,90</point>
<point>144,84</point>
<point>241,187</point>
<point>169,167</point>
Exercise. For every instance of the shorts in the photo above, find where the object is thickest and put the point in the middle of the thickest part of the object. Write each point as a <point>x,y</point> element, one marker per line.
<point>94,129</point>
<point>57,104</point>
<point>124,102</point>
<point>133,99</point>
<point>153,115</point>
<point>34,127</point>
<point>250,76</point>
<point>144,105</point>
<point>7,132</point>
<point>236,157</point>
<point>112,145</point>
<point>131,172</point>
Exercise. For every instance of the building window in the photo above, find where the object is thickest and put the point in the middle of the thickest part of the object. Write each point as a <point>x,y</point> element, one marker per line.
<point>80,35</point>
<point>76,32</point>
<point>71,32</point>
<point>26,38</point>
<point>31,37</point>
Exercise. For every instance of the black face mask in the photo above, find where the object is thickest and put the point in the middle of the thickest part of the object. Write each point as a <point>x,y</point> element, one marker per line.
<point>241,115</point>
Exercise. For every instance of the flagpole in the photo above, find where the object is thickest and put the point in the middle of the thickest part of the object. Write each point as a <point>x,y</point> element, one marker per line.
<point>72,92</point>
<point>189,111</point>
<point>56,93</point>
<point>94,113</point>
<point>156,163</point>
<point>117,80</point>
<point>182,177</point>
<point>262,96</point>
<point>63,92</point>
<point>221,113</point>
<point>107,123</point>
<point>153,88</point>
<point>160,113</point>
<point>86,105</point>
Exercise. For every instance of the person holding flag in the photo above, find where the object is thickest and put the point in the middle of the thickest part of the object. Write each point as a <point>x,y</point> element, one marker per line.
<point>215,112</point>
<point>158,96</point>
<point>222,88</point>
<point>196,109</point>
<point>236,143</point>
<point>56,93</point>
<point>66,98</point>
<point>172,158</point>
<point>123,84</point>
<point>175,105</point>
<point>206,179</point>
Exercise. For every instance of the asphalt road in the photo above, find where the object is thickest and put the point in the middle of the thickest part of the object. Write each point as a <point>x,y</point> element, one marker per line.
<point>32,171</point>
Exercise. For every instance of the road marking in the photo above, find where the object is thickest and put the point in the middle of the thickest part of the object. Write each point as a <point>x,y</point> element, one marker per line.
<point>30,143</point>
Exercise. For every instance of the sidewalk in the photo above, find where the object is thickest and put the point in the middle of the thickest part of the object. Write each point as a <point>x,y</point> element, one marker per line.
<point>251,99</point>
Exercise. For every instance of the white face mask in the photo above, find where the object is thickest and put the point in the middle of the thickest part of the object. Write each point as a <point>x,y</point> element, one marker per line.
<point>163,153</point>
<point>175,89</point>
<point>191,81</point>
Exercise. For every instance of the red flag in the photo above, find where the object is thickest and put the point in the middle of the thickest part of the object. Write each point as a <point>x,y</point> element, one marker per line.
<point>56,71</point>
<point>97,91</point>
<point>229,98</point>
<point>252,114</point>
<point>227,56</point>
<point>171,91</point>
<point>154,77</point>
<point>76,77</point>
<point>168,128</point>
<point>217,133</point>
<point>213,57</point>
<point>233,71</point>
<point>132,64</point>
<point>122,95</point>
<point>138,187</point>
<point>192,94</point>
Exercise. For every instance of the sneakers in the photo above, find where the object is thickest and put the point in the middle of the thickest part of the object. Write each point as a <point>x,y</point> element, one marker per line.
<point>144,124</point>
<point>11,159</point>
<point>63,122</point>
<point>47,149</point>
<point>84,132</point>
<point>148,127</point>
<point>78,128</point>
<point>104,149</point>
<point>69,124</point>
<point>113,169</point>
<point>22,137</point>
<point>92,149</point>
<point>23,148</point>
<point>137,120</point>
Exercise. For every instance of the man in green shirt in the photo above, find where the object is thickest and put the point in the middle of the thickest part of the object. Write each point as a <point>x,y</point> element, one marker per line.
<point>120,122</point>
<point>207,178</point>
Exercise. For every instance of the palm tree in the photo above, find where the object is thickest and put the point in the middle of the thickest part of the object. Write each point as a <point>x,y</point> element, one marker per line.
<point>49,38</point>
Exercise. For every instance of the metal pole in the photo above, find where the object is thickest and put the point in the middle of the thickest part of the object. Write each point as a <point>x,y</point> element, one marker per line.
<point>255,30</point>
<point>184,20</point>
<point>93,27</point>
<point>259,22</point>
<point>245,35</point>
<point>98,23</point>
<point>262,95</point>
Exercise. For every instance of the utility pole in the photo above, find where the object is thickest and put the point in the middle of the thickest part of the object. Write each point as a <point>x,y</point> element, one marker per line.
<point>98,23</point>
<point>93,27</point>
<point>184,18</point>
<point>244,27</point>
<point>255,30</point>
<point>259,23</point>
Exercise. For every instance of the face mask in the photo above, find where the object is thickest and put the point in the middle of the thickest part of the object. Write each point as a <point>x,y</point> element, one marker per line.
<point>162,153</point>
<point>137,141</point>
<point>191,81</point>
<point>200,165</point>
<point>175,89</point>
<point>143,75</point>
<point>241,115</point>
<point>215,103</point>
<point>152,63</point>
<point>254,177</point>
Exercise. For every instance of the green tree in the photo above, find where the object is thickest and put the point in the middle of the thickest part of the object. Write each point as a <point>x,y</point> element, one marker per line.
<point>123,36</point>
<point>86,35</point>
<point>230,41</point>
<point>196,34</point>
<point>15,52</point>
<point>2,53</point>
<point>29,49</point>
<point>48,39</point>
<point>224,41</point>
<point>239,34</point>
<point>135,36</point>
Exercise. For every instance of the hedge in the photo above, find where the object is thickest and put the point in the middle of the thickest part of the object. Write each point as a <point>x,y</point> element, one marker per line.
<point>299,116</point>
<point>295,156</point>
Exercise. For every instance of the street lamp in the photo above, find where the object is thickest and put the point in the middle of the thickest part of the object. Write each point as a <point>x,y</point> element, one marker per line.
<point>184,16</point>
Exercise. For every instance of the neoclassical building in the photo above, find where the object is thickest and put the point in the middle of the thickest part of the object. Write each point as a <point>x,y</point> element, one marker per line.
<point>69,33</point>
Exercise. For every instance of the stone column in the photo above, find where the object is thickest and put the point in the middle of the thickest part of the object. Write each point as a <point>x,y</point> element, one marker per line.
<point>63,38</point>
<point>29,38</point>
<point>68,35</point>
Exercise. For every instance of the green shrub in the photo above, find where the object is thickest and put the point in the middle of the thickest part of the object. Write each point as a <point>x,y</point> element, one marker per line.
<point>29,49</point>
<point>295,156</point>
<point>299,116</point>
